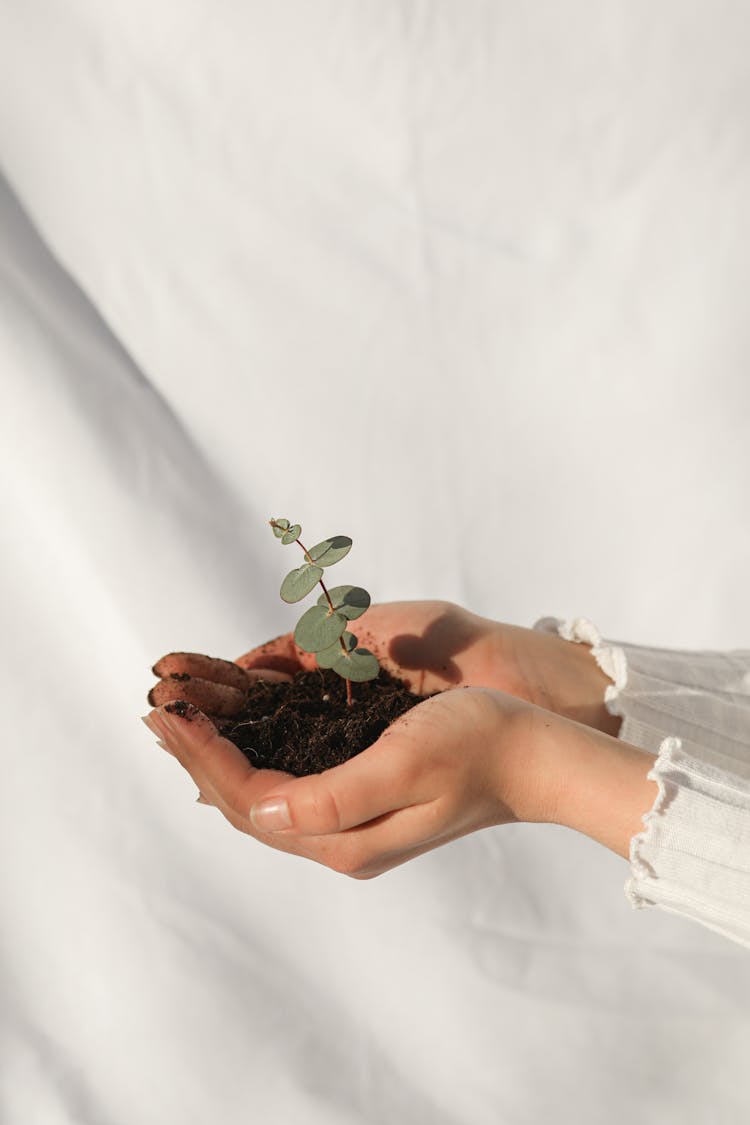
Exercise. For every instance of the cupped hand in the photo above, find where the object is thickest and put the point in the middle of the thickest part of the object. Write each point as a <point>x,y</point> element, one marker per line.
<point>431,645</point>
<point>461,760</point>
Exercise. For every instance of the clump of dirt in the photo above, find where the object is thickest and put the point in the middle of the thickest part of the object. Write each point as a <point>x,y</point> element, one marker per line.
<point>305,726</point>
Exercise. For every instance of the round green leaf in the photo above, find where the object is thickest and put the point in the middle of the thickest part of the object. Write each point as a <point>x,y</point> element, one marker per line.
<point>298,583</point>
<point>317,629</point>
<point>328,657</point>
<point>351,601</point>
<point>279,527</point>
<point>331,550</point>
<point>292,535</point>
<point>359,665</point>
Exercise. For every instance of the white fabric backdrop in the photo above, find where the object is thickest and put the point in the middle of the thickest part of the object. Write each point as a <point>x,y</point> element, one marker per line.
<point>469,283</point>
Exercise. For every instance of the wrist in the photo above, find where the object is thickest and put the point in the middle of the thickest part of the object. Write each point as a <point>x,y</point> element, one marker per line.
<point>598,785</point>
<point>558,675</point>
<point>588,684</point>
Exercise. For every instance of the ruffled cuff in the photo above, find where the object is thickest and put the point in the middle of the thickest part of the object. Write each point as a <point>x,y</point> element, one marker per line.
<point>693,857</point>
<point>693,711</point>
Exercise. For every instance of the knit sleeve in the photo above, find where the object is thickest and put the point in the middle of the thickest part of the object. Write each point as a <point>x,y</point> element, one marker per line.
<point>692,711</point>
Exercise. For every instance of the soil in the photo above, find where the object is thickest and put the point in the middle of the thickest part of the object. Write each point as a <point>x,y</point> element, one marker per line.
<point>305,726</point>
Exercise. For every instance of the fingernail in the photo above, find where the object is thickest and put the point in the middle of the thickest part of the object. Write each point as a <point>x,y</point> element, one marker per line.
<point>159,726</point>
<point>271,815</point>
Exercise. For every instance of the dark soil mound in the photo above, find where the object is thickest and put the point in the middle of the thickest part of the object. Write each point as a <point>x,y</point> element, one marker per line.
<point>305,726</point>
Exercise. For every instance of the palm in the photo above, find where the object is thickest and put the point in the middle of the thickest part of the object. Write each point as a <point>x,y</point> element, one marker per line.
<point>435,645</point>
<point>431,645</point>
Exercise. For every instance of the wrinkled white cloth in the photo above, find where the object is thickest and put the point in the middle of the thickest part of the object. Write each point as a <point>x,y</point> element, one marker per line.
<point>448,278</point>
<point>692,710</point>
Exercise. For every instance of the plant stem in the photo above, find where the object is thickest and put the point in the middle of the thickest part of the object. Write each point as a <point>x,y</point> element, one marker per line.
<point>344,649</point>
<point>321,583</point>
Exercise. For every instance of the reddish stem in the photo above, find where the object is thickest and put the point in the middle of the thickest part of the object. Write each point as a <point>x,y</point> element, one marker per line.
<point>330,603</point>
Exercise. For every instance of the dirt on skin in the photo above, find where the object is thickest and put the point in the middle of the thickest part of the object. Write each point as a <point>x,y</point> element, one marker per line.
<point>305,726</point>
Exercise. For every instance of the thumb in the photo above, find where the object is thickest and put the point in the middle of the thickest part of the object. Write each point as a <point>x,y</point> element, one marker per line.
<point>365,787</point>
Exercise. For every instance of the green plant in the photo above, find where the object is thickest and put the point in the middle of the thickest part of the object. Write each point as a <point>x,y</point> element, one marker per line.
<point>322,629</point>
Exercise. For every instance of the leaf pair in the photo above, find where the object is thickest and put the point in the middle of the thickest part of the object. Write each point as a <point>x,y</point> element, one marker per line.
<point>321,626</point>
<point>350,662</point>
<point>299,582</point>
<point>284,532</point>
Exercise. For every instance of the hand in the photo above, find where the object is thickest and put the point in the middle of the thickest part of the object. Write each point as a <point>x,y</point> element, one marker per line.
<point>433,646</point>
<point>485,754</point>
<point>460,761</point>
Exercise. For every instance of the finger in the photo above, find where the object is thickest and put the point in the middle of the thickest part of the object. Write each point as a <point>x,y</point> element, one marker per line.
<point>177,664</point>
<point>281,655</point>
<point>388,841</point>
<point>212,698</point>
<point>221,771</point>
<point>219,768</point>
<point>193,740</point>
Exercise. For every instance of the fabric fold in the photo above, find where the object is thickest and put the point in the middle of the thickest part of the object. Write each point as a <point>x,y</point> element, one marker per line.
<point>692,711</point>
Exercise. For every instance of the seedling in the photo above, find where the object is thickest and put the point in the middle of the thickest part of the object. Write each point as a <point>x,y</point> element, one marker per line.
<point>322,629</point>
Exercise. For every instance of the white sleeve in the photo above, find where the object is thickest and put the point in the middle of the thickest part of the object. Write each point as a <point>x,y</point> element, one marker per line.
<point>692,711</point>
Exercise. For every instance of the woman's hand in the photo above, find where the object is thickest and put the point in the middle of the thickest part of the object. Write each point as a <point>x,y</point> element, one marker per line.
<point>462,760</point>
<point>518,732</point>
<point>431,645</point>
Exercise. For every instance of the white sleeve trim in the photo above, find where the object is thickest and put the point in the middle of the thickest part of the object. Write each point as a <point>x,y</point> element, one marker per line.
<point>693,712</point>
<point>639,866</point>
<point>610,658</point>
